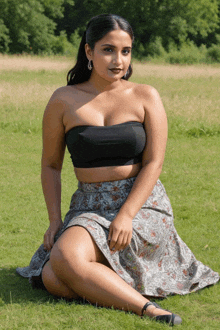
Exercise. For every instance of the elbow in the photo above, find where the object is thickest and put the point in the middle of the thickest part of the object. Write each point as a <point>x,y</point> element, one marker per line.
<point>156,165</point>
<point>51,166</point>
<point>49,172</point>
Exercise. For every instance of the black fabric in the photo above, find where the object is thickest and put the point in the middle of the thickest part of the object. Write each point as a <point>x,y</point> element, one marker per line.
<point>98,146</point>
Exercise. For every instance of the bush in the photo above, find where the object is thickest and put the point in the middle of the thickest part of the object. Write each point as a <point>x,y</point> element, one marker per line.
<point>149,51</point>
<point>213,53</point>
<point>62,45</point>
<point>156,49</point>
<point>188,53</point>
<point>75,38</point>
<point>138,51</point>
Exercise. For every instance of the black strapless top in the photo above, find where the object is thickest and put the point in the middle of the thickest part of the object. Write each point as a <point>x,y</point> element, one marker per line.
<point>98,146</point>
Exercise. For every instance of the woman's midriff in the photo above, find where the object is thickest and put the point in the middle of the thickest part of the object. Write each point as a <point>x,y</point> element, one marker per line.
<point>110,173</point>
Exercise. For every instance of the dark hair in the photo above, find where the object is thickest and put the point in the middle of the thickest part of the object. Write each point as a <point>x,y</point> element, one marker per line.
<point>96,29</point>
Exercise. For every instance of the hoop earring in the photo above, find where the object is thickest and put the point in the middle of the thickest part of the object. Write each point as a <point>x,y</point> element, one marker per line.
<point>128,71</point>
<point>90,65</point>
<point>126,74</point>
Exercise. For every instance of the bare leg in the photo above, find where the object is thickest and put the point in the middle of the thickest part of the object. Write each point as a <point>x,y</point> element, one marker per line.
<point>54,285</point>
<point>80,268</point>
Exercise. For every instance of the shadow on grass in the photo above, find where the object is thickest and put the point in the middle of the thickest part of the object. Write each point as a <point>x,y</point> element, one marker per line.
<point>16,289</point>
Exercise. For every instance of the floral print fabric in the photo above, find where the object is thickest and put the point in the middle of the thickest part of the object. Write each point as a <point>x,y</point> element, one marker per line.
<point>156,263</point>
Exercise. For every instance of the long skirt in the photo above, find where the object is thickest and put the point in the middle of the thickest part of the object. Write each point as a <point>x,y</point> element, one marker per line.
<point>156,262</point>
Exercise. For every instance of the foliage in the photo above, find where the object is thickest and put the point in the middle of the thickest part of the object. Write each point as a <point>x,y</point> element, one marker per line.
<point>157,24</point>
<point>168,19</point>
<point>4,37</point>
<point>188,53</point>
<point>213,53</point>
<point>54,8</point>
<point>153,49</point>
<point>49,26</point>
<point>30,24</point>
<point>62,45</point>
<point>29,29</point>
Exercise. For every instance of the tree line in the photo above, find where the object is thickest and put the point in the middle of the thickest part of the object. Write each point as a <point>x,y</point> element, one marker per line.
<point>160,26</point>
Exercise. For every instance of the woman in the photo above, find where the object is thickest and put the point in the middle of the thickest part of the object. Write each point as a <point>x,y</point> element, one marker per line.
<point>118,243</point>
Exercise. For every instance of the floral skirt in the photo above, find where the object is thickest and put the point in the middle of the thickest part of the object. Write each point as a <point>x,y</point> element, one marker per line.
<point>156,263</point>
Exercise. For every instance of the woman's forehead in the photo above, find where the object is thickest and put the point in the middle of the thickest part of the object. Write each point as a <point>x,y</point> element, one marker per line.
<point>116,37</point>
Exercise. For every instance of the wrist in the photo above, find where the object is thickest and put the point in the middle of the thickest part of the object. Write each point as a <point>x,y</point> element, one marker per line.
<point>123,213</point>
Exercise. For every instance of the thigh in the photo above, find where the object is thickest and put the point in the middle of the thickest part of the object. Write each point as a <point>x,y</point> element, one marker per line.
<point>69,255</point>
<point>76,243</point>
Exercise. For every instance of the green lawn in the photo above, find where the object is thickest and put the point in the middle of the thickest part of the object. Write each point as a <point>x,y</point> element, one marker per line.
<point>190,175</point>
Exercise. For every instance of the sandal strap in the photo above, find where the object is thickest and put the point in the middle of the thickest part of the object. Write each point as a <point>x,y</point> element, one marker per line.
<point>145,307</point>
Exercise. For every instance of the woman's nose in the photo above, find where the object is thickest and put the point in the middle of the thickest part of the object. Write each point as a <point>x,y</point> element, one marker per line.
<point>117,59</point>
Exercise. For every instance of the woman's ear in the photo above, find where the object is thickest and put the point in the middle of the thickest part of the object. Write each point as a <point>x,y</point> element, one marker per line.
<point>88,51</point>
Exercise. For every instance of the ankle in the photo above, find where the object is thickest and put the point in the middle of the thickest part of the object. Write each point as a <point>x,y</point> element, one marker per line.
<point>145,307</point>
<point>152,310</point>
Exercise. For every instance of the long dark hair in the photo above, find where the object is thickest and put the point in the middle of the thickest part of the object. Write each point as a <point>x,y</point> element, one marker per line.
<point>96,29</point>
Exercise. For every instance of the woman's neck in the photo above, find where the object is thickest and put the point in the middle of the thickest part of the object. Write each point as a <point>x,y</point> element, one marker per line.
<point>99,85</point>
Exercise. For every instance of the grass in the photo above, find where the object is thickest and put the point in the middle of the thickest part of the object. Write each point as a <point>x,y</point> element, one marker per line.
<point>190,175</point>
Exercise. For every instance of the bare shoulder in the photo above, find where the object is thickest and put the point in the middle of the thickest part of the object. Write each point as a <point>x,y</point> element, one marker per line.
<point>149,97</point>
<point>60,100</point>
<point>62,94</point>
<point>146,91</point>
<point>143,92</point>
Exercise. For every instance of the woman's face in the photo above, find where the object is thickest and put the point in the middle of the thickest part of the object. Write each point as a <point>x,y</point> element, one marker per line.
<point>111,55</point>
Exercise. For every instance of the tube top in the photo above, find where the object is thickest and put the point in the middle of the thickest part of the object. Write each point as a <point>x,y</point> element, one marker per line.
<point>98,146</point>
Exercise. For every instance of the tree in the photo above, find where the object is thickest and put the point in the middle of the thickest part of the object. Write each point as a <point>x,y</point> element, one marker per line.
<point>38,25</point>
<point>4,37</point>
<point>174,21</point>
<point>29,25</point>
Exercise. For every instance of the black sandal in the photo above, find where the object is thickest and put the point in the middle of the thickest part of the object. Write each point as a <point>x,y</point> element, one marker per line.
<point>171,319</point>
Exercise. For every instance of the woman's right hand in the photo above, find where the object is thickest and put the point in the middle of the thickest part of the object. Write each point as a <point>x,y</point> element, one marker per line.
<point>54,227</point>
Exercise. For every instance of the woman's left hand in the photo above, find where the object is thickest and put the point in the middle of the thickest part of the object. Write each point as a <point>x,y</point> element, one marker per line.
<point>120,233</point>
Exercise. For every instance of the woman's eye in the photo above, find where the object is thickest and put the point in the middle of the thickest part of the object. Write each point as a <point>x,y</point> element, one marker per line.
<point>108,49</point>
<point>126,51</point>
<point>111,50</point>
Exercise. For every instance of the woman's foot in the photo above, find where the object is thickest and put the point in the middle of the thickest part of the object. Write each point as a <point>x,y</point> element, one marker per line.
<point>154,311</point>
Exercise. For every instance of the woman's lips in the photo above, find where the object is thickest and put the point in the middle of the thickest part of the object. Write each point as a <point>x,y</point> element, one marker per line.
<point>116,70</point>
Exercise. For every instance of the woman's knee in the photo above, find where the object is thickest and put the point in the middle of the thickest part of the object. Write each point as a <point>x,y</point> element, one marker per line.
<point>67,262</point>
<point>73,252</point>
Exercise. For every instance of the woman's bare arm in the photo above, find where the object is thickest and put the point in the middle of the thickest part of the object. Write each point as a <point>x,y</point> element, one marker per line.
<point>51,164</point>
<point>153,157</point>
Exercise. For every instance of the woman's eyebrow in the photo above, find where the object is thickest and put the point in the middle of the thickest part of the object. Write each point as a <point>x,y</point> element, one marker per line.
<point>110,45</point>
